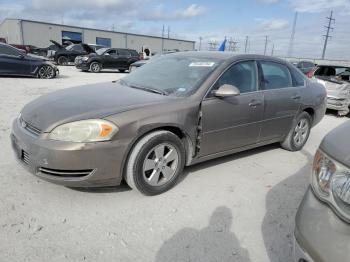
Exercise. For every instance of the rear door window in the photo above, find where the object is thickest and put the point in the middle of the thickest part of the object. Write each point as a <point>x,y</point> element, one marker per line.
<point>123,52</point>
<point>275,75</point>
<point>5,50</point>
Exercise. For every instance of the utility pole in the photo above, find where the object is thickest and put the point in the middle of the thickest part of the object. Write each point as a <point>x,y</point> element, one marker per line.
<point>266,39</point>
<point>291,41</point>
<point>273,49</point>
<point>168,32</point>
<point>162,39</point>
<point>200,43</point>
<point>246,44</point>
<point>330,21</point>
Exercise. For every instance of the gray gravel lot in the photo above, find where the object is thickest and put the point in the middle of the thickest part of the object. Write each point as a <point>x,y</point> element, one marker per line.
<point>236,208</point>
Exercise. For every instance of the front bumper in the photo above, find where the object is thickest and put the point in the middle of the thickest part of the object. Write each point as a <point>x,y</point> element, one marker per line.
<point>66,163</point>
<point>320,234</point>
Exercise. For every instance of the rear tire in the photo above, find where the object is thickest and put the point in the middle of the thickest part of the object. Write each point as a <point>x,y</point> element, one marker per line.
<point>299,133</point>
<point>155,163</point>
<point>95,67</point>
<point>62,60</point>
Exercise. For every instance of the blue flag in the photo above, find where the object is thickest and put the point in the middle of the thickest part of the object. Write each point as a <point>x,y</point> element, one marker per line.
<point>222,46</point>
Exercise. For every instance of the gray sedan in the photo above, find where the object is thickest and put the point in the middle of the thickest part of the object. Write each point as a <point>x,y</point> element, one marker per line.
<point>178,110</point>
<point>322,229</point>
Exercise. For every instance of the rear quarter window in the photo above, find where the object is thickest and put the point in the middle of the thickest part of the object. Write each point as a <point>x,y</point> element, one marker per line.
<point>297,77</point>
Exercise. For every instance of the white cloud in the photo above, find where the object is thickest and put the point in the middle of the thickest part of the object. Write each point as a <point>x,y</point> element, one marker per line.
<point>268,1</point>
<point>160,14</point>
<point>192,11</point>
<point>315,6</point>
<point>273,24</point>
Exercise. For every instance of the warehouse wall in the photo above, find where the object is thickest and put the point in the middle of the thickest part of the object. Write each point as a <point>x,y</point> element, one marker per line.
<point>10,30</point>
<point>39,34</point>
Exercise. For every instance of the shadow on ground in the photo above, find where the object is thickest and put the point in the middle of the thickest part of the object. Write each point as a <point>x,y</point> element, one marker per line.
<point>216,242</point>
<point>282,203</point>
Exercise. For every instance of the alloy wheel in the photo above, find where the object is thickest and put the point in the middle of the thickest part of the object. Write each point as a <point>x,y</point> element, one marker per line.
<point>301,132</point>
<point>95,67</point>
<point>46,72</point>
<point>160,164</point>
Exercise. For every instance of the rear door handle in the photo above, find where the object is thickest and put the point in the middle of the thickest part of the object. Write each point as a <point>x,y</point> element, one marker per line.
<point>254,103</point>
<point>296,97</point>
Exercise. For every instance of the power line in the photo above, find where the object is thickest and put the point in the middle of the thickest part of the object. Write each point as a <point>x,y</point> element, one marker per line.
<point>327,36</point>
<point>291,41</point>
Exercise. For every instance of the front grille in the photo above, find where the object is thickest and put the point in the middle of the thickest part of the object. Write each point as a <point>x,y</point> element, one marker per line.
<point>25,157</point>
<point>29,127</point>
<point>65,173</point>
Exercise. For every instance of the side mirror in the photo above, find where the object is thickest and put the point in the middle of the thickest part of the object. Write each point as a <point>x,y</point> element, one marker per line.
<point>227,90</point>
<point>21,56</point>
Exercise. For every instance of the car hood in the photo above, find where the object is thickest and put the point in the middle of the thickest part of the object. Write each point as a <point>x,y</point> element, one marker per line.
<point>86,102</point>
<point>337,144</point>
<point>59,46</point>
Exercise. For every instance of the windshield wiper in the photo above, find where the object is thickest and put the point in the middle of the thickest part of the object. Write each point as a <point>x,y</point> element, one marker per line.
<point>145,88</point>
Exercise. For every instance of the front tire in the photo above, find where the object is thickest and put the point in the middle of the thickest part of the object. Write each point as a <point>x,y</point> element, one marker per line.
<point>155,163</point>
<point>95,67</point>
<point>299,133</point>
<point>121,70</point>
<point>62,60</point>
<point>46,72</point>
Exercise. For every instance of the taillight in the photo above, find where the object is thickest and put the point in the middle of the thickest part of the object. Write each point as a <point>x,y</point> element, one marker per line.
<point>311,73</point>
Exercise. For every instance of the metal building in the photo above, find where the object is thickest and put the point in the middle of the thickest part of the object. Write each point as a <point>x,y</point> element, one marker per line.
<point>27,32</point>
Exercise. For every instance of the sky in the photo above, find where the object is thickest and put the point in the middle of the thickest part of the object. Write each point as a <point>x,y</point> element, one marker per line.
<point>211,21</point>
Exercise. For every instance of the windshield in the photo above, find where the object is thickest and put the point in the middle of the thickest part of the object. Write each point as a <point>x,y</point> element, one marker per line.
<point>101,51</point>
<point>172,74</point>
<point>69,47</point>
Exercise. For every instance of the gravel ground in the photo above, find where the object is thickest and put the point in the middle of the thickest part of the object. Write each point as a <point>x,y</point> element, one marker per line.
<point>236,208</point>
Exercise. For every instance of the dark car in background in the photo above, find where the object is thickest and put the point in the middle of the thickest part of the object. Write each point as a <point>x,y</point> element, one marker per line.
<point>16,62</point>
<point>305,66</point>
<point>181,109</point>
<point>65,55</point>
<point>107,58</point>
<point>322,227</point>
<point>336,79</point>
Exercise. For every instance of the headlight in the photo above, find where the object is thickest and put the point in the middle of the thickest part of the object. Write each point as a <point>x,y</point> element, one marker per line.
<point>93,130</point>
<point>331,183</point>
<point>85,58</point>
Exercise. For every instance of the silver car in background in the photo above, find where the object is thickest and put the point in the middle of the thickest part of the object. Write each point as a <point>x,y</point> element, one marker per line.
<point>322,231</point>
<point>336,79</point>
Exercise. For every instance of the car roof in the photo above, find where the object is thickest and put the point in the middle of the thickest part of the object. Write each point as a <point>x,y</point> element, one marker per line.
<point>339,65</point>
<point>226,56</point>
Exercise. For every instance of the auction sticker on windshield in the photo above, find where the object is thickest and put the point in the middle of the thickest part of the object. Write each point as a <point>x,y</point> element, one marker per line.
<point>202,64</point>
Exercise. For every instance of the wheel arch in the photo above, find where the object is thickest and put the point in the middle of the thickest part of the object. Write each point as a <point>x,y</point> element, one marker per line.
<point>178,131</point>
<point>311,112</point>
